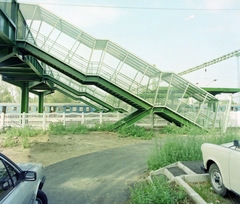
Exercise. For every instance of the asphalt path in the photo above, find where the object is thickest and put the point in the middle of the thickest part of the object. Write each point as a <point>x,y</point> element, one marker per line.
<point>97,178</point>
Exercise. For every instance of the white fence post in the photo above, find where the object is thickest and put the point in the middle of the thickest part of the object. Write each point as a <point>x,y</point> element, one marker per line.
<point>44,121</point>
<point>23,119</point>
<point>2,120</point>
<point>64,119</point>
<point>101,117</point>
<point>82,121</point>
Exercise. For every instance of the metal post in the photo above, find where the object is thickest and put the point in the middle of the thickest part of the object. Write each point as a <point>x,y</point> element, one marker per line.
<point>40,102</point>
<point>24,98</point>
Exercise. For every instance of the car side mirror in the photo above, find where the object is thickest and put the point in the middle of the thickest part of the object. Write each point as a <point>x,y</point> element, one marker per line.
<point>6,185</point>
<point>30,176</point>
<point>236,143</point>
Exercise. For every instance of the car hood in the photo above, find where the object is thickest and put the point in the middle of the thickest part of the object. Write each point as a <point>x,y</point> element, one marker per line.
<point>29,166</point>
<point>229,144</point>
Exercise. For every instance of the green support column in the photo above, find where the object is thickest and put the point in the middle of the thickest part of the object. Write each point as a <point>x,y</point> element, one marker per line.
<point>24,98</point>
<point>40,102</point>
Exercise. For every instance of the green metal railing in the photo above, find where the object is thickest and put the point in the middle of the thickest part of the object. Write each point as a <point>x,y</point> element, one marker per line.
<point>89,89</point>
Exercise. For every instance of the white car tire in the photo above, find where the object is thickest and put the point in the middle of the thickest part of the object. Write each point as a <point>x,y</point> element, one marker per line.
<point>217,180</point>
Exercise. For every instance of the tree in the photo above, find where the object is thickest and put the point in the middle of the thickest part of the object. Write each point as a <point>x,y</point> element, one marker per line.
<point>57,97</point>
<point>6,96</point>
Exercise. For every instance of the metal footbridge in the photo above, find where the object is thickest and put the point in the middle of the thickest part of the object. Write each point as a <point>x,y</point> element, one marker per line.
<point>41,53</point>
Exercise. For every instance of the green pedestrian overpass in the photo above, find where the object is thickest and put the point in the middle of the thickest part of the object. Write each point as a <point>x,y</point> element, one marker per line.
<point>41,53</point>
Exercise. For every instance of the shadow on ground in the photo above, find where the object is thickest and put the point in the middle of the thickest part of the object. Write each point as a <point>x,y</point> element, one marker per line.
<point>104,176</point>
<point>100,177</point>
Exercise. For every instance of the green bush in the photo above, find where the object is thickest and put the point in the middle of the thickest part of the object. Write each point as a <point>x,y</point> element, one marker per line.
<point>102,127</point>
<point>15,136</point>
<point>57,128</point>
<point>25,131</point>
<point>159,191</point>
<point>77,128</point>
<point>73,128</point>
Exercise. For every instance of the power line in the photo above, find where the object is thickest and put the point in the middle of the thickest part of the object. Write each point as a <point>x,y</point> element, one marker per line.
<point>137,7</point>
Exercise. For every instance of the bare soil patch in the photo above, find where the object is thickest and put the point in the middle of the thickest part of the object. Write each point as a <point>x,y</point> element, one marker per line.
<point>50,149</point>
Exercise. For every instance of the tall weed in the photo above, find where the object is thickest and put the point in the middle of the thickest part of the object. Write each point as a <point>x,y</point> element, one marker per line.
<point>183,130</point>
<point>72,128</point>
<point>57,128</point>
<point>16,136</point>
<point>185,147</point>
<point>106,126</point>
<point>26,131</point>
<point>159,191</point>
<point>135,131</point>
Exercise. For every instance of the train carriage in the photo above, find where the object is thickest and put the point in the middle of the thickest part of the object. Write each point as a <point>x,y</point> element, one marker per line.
<point>48,108</point>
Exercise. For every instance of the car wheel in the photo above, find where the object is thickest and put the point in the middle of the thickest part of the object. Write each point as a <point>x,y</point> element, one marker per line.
<point>216,180</point>
<point>41,198</point>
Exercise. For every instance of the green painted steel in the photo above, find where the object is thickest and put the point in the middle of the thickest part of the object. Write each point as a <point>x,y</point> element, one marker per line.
<point>132,118</point>
<point>58,56</point>
<point>24,98</point>
<point>215,91</point>
<point>77,93</point>
<point>8,29</point>
<point>40,102</point>
<point>175,118</point>
<point>81,78</point>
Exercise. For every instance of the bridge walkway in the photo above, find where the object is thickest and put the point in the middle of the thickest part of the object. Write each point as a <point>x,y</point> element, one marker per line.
<point>112,69</point>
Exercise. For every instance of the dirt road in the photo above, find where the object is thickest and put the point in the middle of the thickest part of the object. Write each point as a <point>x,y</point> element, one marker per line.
<point>51,149</point>
<point>93,168</point>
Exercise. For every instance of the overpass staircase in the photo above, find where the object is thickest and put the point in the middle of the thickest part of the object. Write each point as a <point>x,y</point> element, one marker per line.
<point>128,82</point>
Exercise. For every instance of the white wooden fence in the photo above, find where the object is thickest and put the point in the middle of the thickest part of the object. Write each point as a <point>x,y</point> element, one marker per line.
<point>234,119</point>
<point>42,120</point>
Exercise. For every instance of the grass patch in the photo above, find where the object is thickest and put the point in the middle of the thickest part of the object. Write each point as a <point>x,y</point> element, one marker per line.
<point>205,191</point>
<point>73,128</point>
<point>159,191</point>
<point>26,131</point>
<point>183,130</point>
<point>185,147</point>
<point>15,136</point>
<point>102,127</point>
<point>136,132</point>
<point>77,128</point>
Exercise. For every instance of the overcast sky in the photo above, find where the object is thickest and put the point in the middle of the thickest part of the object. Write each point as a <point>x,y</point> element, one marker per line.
<point>173,35</point>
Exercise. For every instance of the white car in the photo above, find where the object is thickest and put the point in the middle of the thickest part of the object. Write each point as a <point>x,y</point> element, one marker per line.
<point>223,164</point>
<point>21,183</point>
